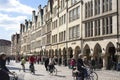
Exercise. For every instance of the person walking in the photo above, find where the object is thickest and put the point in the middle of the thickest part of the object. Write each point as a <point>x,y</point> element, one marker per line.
<point>4,71</point>
<point>46,63</point>
<point>23,61</point>
<point>72,63</point>
<point>32,60</point>
<point>8,60</point>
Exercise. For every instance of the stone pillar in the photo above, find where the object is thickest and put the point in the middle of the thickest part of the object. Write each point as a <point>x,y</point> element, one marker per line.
<point>104,63</point>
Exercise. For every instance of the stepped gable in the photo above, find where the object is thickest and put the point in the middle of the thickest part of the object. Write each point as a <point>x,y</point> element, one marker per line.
<point>5,42</point>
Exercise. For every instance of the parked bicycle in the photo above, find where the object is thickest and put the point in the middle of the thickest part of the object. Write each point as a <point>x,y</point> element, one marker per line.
<point>91,74</point>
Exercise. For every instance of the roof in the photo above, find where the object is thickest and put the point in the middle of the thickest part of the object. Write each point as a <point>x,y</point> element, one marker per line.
<point>5,42</point>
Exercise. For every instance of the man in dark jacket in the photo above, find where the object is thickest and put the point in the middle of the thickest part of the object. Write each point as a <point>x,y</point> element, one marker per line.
<point>4,72</point>
<point>80,68</point>
<point>46,63</point>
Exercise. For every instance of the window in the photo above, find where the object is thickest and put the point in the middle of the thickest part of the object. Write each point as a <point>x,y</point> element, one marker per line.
<point>106,5</point>
<point>74,32</point>
<point>97,7</point>
<point>103,26</point>
<point>110,24</point>
<point>74,14</point>
<point>91,28</point>
<point>98,26</point>
<point>62,36</point>
<point>70,16</point>
<point>91,8</point>
<point>85,29</point>
<point>106,25</point>
<point>95,27</point>
<point>85,10</point>
<point>110,4</point>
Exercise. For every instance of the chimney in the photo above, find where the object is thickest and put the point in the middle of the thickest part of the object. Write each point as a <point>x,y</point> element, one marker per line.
<point>39,8</point>
<point>33,15</point>
<point>21,28</point>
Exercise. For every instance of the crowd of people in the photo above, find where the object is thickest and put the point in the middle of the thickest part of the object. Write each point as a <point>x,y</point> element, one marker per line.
<point>49,63</point>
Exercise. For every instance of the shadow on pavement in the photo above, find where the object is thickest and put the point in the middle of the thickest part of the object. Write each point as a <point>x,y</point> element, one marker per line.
<point>60,76</point>
<point>38,75</point>
<point>13,68</point>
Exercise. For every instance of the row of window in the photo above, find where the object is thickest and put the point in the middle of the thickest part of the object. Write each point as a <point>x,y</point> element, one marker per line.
<point>106,27</point>
<point>73,2</point>
<point>74,32</point>
<point>54,38</point>
<point>74,14</point>
<point>54,24</point>
<point>106,5</point>
<point>62,20</point>
<point>62,36</point>
<point>89,9</point>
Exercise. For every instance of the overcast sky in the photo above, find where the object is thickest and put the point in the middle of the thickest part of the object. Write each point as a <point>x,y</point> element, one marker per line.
<point>14,12</point>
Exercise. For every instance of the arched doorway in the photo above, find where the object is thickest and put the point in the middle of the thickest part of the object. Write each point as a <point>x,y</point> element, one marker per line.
<point>56,52</point>
<point>70,52</point>
<point>59,57</point>
<point>98,56</point>
<point>56,55</point>
<point>77,52</point>
<point>41,52</point>
<point>64,56</point>
<point>111,58</point>
<point>52,53</point>
<point>86,51</point>
<point>46,53</point>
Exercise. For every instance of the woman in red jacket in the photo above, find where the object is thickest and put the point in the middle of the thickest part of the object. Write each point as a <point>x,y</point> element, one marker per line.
<point>32,61</point>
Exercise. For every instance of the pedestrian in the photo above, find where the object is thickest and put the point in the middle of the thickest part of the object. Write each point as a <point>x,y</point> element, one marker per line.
<point>72,63</point>
<point>81,68</point>
<point>4,71</point>
<point>46,63</point>
<point>23,61</point>
<point>93,63</point>
<point>8,60</point>
<point>32,60</point>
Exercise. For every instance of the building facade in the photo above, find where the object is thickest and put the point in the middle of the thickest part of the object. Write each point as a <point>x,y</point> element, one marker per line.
<point>15,44</point>
<point>66,28</point>
<point>5,46</point>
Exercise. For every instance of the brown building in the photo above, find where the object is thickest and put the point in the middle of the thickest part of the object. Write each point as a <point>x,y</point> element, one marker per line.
<point>5,46</point>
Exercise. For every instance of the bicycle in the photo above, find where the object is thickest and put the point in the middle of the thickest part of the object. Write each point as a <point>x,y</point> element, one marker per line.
<point>14,76</point>
<point>52,69</point>
<point>32,69</point>
<point>91,75</point>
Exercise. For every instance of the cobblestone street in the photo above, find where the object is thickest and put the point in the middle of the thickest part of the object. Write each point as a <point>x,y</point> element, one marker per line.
<point>63,73</point>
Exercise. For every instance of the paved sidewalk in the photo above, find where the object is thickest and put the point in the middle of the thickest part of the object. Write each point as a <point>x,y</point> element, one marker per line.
<point>63,73</point>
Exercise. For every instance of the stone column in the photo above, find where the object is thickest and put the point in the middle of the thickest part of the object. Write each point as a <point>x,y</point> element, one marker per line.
<point>104,61</point>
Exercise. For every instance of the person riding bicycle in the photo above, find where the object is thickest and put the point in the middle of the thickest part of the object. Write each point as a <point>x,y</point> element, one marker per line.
<point>51,64</point>
<point>4,71</point>
<point>32,61</point>
<point>81,68</point>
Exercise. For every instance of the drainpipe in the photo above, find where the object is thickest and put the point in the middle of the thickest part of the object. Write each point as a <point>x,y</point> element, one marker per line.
<point>81,27</point>
<point>118,30</point>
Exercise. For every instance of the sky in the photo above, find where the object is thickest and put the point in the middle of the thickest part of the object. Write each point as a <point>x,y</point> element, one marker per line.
<point>14,12</point>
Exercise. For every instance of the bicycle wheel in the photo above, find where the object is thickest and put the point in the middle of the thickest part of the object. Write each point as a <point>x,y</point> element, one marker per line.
<point>54,71</point>
<point>93,76</point>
